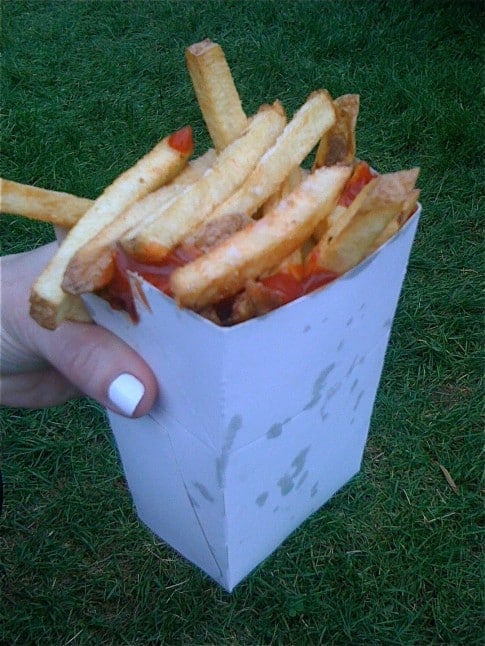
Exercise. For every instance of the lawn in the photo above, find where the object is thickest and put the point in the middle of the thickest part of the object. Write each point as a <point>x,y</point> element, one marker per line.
<point>393,558</point>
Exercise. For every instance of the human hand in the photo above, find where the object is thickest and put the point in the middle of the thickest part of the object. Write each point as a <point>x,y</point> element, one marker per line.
<point>41,368</point>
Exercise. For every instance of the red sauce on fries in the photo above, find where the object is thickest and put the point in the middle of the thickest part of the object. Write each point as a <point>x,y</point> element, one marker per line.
<point>182,140</point>
<point>119,292</point>
<point>286,285</point>
<point>290,287</point>
<point>361,176</point>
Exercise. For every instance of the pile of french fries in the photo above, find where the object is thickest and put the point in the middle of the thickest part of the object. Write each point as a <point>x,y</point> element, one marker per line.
<point>234,233</point>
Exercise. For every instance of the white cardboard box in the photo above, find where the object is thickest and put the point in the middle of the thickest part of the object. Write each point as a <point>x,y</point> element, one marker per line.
<point>259,424</point>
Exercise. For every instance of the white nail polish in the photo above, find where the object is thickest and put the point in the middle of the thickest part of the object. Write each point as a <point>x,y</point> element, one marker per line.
<point>126,392</point>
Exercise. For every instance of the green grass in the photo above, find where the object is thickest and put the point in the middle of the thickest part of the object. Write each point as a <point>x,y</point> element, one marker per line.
<point>395,557</point>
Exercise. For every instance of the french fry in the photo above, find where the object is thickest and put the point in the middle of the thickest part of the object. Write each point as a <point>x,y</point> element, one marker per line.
<point>296,141</point>
<point>287,185</point>
<point>395,224</point>
<point>337,146</point>
<point>254,300</point>
<point>60,209</point>
<point>151,241</point>
<point>215,231</point>
<point>341,216</point>
<point>261,246</point>
<point>91,268</point>
<point>50,305</point>
<point>385,200</point>
<point>410,205</point>
<point>216,93</point>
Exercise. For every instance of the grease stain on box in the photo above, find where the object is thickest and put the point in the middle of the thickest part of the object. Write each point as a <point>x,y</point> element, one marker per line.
<point>287,481</point>
<point>301,480</point>
<point>323,413</point>
<point>357,401</point>
<point>274,431</point>
<point>262,498</point>
<point>333,390</point>
<point>204,491</point>
<point>318,386</point>
<point>234,426</point>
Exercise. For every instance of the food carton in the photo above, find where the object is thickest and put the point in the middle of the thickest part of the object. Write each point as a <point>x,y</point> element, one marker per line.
<point>259,424</point>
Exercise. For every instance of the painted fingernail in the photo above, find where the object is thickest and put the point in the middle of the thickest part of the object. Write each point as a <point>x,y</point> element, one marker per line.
<point>126,392</point>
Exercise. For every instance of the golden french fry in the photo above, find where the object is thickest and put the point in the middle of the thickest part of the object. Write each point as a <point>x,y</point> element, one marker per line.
<point>260,246</point>
<point>395,224</point>
<point>295,142</point>
<point>50,304</point>
<point>60,209</point>
<point>215,231</point>
<point>287,186</point>
<point>294,259</point>
<point>385,200</point>
<point>151,241</point>
<point>337,146</point>
<point>91,268</point>
<point>216,93</point>
<point>409,206</point>
<point>342,215</point>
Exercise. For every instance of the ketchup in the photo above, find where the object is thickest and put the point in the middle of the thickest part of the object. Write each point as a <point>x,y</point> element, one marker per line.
<point>291,288</point>
<point>182,140</point>
<point>361,176</point>
<point>286,285</point>
<point>119,293</point>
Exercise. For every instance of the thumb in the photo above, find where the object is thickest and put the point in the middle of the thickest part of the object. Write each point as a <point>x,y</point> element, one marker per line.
<point>102,366</point>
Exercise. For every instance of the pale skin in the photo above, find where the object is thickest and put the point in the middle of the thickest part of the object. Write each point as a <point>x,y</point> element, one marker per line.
<point>42,368</point>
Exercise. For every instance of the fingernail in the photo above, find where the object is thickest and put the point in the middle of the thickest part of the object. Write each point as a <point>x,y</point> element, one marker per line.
<point>126,392</point>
